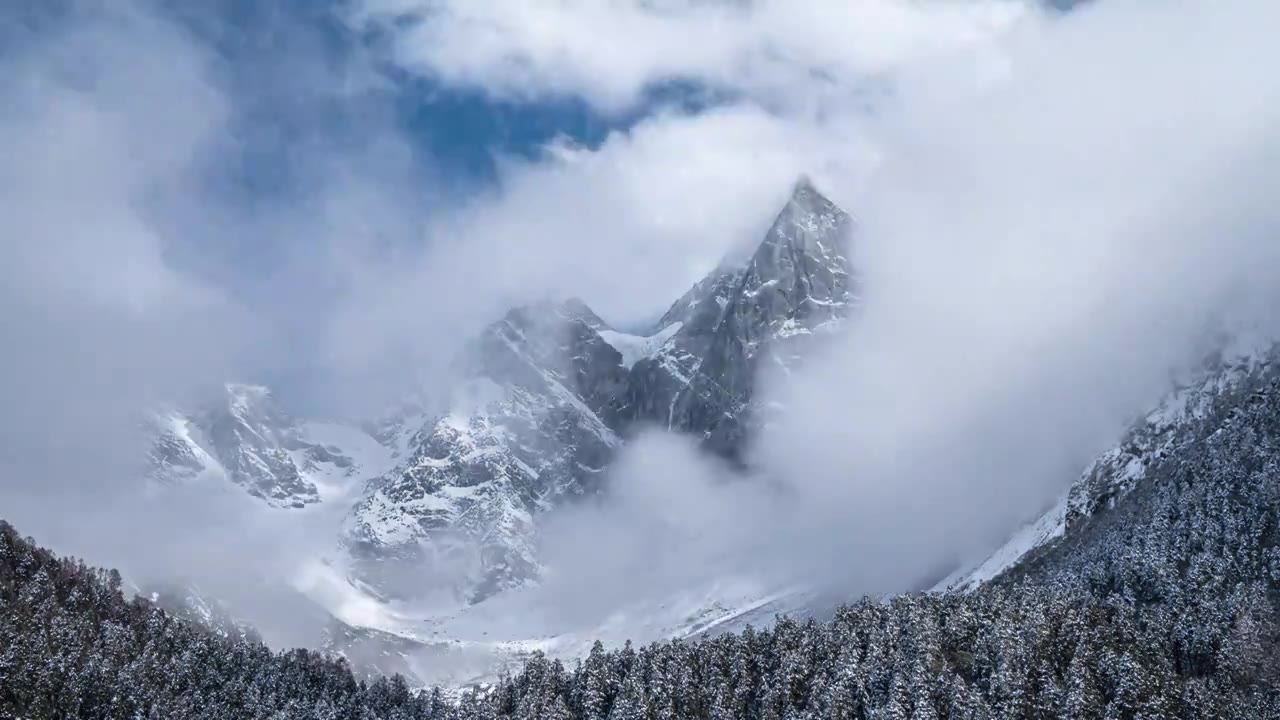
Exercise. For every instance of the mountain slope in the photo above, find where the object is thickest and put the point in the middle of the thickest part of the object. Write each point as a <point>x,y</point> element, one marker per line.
<point>1203,510</point>
<point>73,646</point>
<point>529,426</point>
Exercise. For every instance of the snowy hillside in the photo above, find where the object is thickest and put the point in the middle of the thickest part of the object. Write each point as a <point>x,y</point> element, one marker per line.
<point>1115,473</point>
<point>468,644</point>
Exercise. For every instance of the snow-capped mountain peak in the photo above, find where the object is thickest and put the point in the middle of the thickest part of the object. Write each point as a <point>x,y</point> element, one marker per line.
<point>797,283</point>
<point>533,420</point>
<point>550,391</point>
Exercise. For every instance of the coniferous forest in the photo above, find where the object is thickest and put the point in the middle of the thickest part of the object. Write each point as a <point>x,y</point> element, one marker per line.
<point>1162,607</point>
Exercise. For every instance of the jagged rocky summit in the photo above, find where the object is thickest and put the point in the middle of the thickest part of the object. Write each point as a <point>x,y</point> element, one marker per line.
<point>736,321</point>
<point>547,396</point>
<point>533,423</point>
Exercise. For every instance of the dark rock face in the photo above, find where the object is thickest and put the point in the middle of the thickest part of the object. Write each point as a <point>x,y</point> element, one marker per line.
<point>797,284</point>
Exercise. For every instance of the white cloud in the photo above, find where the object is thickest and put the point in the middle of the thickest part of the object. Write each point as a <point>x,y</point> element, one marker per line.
<point>82,159</point>
<point>1039,257</point>
<point>793,51</point>
<point>112,121</point>
<point>97,321</point>
<point>630,225</point>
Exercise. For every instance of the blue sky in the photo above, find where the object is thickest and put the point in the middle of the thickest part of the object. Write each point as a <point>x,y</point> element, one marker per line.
<point>457,128</point>
<point>460,129</point>
<point>456,133</point>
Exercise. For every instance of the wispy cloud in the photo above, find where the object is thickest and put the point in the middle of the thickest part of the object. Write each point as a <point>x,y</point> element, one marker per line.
<point>97,318</point>
<point>793,53</point>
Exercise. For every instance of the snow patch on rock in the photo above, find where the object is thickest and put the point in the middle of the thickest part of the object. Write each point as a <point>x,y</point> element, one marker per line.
<point>634,348</point>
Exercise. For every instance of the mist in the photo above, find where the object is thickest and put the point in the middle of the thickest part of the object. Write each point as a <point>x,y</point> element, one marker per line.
<point>1039,259</point>
<point>122,132</point>
<point>98,323</point>
<point>1056,215</point>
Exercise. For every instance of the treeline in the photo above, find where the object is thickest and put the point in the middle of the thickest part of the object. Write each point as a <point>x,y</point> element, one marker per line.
<point>72,646</point>
<point>1026,653</point>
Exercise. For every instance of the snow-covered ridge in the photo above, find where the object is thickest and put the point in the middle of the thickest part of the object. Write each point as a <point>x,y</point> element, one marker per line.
<point>1045,529</point>
<point>634,348</point>
<point>1118,471</point>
